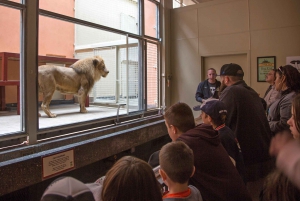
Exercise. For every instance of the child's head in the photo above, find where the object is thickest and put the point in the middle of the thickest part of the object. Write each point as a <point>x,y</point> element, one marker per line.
<point>179,115</point>
<point>131,179</point>
<point>278,187</point>
<point>213,112</point>
<point>294,121</point>
<point>67,188</point>
<point>176,160</point>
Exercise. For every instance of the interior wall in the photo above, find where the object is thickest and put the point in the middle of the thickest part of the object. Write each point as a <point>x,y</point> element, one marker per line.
<point>222,28</point>
<point>217,62</point>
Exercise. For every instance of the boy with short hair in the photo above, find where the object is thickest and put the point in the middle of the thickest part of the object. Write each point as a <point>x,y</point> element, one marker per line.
<point>214,114</point>
<point>176,167</point>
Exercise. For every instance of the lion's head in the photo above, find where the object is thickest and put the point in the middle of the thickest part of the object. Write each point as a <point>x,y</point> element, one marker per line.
<point>100,65</point>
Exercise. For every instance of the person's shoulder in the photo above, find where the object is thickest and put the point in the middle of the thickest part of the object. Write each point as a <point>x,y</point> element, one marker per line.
<point>226,129</point>
<point>195,193</point>
<point>239,86</point>
<point>194,188</point>
<point>292,94</point>
<point>203,82</point>
<point>199,134</point>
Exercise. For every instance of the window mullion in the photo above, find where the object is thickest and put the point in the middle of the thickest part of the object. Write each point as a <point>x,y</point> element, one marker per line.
<point>29,63</point>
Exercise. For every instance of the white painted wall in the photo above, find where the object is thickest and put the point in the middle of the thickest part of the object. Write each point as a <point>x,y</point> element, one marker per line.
<point>225,29</point>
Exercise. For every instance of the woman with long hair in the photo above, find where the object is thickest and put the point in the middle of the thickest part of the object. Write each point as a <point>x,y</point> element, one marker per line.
<point>288,83</point>
<point>287,149</point>
<point>283,184</point>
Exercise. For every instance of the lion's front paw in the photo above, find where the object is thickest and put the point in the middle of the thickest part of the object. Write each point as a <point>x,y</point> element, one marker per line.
<point>83,110</point>
<point>51,115</point>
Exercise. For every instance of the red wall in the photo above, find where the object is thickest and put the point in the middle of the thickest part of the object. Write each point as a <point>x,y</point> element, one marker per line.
<point>56,37</point>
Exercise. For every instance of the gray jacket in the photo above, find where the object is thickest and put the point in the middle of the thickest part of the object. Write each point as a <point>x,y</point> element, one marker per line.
<point>280,112</point>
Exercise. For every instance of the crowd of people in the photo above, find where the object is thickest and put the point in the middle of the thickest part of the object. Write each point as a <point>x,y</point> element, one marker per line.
<point>240,151</point>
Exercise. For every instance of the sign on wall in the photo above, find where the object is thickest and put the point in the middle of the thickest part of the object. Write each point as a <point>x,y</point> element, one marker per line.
<point>58,163</point>
<point>264,65</point>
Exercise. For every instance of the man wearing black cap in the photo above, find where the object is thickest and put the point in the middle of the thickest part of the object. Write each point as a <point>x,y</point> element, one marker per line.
<point>246,118</point>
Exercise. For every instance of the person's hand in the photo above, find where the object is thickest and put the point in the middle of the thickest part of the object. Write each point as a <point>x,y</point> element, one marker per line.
<point>279,141</point>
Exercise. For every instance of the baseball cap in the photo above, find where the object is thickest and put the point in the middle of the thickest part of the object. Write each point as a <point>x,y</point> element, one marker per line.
<point>67,189</point>
<point>232,69</point>
<point>213,107</point>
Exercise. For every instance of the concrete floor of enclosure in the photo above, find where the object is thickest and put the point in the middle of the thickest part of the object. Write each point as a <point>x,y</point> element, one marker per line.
<point>66,114</point>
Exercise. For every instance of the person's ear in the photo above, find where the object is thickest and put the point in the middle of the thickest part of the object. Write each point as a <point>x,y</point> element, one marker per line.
<point>162,174</point>
<point>209,119</point>
<point>193,171</point>
<point>226,79</point>
<point>283,78</point>
<point>174,129</point>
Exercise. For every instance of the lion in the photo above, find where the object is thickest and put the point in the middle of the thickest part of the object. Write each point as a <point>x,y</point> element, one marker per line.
<point>78,79</point>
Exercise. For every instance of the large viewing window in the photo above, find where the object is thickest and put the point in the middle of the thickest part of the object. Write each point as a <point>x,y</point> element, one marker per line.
<point>118,14</point>
<point>123,32</point>
<point>10,119</point>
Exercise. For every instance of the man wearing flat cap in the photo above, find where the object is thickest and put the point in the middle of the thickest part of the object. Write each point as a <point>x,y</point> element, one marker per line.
<point>246,118</point>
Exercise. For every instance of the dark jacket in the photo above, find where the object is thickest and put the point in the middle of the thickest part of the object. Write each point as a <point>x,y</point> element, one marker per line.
<point>203,91</point>
<point>247,119</point>
<point>232,146</point>
<point>215,175</point>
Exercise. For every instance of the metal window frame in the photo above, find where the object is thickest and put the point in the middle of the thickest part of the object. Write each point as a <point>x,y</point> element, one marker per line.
<point>31,133</point>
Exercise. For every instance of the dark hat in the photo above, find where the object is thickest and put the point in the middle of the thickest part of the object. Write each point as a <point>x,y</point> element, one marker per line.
<point>67,188</point>
<point>232,69</point>
<point>212,107</point>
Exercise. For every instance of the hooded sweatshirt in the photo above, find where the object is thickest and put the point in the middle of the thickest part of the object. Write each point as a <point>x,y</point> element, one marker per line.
<point>215,175</point>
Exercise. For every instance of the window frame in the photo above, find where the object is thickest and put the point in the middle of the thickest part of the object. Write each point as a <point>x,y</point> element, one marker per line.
<point>30,132</point>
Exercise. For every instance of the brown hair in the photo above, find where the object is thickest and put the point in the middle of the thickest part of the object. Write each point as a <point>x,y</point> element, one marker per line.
<point>131,179</point>
<point>296,111</point>
<point>292,77</point>
<point>220,120</point>
<point>177,160</point>
<point>212,69</point>
<point>278,187</point>
<point>181,116</point>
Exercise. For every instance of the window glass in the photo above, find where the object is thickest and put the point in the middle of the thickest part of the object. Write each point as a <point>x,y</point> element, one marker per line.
<point>130,77</point>
<point>183,3</point>
<point>177,4</point>
<point>61,44</point>
<point>151,26</point>
<point>152,90</point>
<point>17,1</point>
<point>118,14</point>
<point>59,51</point>
<point>10,119</point>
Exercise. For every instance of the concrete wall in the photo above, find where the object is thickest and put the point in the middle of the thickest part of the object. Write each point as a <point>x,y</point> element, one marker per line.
<point>225,29</point>
<point>140,138</point>
<point>56,37</point>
